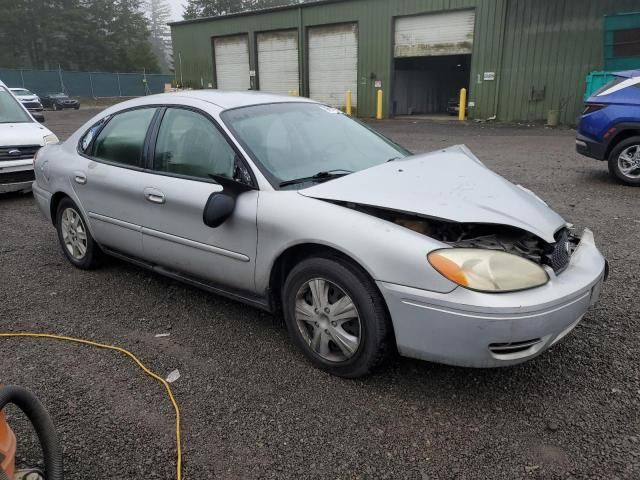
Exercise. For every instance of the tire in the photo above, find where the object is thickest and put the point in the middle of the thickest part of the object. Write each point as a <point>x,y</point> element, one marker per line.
<point>371,327</point>
<point>86,258</point>
<point>629,145</point>
<point>76,108</point>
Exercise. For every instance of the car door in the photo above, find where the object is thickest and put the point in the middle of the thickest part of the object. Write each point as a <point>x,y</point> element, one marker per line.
<point>188,151</point>
<point>109,182</point>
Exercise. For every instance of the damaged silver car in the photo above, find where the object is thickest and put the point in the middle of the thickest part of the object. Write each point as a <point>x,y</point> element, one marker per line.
<point>293,207</point>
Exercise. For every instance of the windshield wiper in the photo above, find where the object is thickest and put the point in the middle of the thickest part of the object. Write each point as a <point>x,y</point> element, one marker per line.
<point>318,177</point>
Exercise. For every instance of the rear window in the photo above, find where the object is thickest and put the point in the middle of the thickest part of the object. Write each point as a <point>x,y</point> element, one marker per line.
<point>613,83</point>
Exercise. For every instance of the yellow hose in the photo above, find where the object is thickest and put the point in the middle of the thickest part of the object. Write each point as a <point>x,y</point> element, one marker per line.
<point>138,362</point>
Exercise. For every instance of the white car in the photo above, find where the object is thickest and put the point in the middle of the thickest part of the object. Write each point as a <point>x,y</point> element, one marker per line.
<point>28,99</point>
<point>21,136</point>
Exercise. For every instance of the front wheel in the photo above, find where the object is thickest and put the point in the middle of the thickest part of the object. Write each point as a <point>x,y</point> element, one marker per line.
<point>624,162</point>
<point>74,236</point>
<point>336,316</point>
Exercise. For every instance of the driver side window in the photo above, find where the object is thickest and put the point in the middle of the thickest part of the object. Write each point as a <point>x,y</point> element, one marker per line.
<point>190,144</point>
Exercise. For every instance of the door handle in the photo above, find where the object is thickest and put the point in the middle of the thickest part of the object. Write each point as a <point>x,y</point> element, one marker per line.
<point>80,178</point>
<point>153,195</point>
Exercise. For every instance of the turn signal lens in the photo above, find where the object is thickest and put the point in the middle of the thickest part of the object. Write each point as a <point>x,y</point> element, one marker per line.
<point>487,270</point>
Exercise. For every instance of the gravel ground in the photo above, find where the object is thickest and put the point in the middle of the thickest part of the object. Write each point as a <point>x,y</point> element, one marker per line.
<point>253,408</point>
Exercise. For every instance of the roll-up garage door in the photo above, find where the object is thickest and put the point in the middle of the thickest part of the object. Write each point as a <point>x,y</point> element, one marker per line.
<point>333,63</point>
<point>232,62</point>
<point>278,62</point>
<point>448,33</point>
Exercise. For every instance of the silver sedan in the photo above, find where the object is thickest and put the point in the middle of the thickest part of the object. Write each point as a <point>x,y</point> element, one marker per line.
<point>293,207</point>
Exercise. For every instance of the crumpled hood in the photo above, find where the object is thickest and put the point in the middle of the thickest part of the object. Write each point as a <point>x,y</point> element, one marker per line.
<point>28,133</point>
<point>450,184</point>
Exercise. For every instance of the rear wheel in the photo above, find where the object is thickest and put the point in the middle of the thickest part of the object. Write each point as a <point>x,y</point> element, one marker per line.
<point>74,236</point>
<point>624,161</point>
<point>336,316</point>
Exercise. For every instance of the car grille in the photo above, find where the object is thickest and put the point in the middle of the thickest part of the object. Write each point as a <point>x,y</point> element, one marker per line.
<point>32,104</point>
<point>17,177</point>
<point>24,152</point>
<point>559,254</point>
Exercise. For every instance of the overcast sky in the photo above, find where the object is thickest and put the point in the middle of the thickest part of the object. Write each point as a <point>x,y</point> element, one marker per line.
<point>177,7</point>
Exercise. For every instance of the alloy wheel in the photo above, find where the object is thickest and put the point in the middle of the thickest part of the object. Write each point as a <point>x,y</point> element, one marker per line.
<point>74,233</point>
<point>629,162</point>
<point>328,320</point>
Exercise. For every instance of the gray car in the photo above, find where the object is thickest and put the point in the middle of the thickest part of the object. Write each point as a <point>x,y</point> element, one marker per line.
<point>293,207</point>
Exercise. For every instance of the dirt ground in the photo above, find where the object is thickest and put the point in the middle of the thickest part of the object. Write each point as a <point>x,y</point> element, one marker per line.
<point>252,406</point>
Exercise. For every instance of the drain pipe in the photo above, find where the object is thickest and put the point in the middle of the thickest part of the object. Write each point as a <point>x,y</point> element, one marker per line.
<point>500,58</point>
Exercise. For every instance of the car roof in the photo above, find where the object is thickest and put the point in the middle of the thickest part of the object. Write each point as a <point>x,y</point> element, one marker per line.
<point>223,99</point>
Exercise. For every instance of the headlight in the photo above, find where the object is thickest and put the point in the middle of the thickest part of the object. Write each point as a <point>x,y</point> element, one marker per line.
<point>50,139</point>
<point>487,270</point>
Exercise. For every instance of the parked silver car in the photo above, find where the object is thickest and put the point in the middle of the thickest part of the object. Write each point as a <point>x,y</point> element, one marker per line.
<point>293,207</point>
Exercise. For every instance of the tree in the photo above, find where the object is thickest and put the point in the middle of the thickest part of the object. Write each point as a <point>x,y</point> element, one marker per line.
<point>159,15</point>
<point>107,35</point>
<point>210,8</point>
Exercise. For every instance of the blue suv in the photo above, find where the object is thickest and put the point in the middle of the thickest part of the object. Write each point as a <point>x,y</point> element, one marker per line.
<point>609,128</point>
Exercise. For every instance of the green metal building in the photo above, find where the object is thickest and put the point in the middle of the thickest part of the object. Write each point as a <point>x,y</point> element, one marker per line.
<point>519,59</point>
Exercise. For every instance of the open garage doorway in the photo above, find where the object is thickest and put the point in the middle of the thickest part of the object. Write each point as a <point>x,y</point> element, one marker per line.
<point>429,85</point>
<point>432,62</point>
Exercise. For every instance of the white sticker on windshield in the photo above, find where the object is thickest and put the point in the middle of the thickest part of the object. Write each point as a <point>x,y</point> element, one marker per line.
<point>330,109</point>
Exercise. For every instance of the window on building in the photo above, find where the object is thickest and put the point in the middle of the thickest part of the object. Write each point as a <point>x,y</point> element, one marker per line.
<point>626,43</point>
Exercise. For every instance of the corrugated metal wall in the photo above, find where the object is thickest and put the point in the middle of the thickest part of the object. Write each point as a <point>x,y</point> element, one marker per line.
<point>549,45</point>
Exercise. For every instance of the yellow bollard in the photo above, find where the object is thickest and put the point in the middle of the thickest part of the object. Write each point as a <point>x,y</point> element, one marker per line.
<point>379,109</point>
<point>348,99</point>
<point>462,114</point>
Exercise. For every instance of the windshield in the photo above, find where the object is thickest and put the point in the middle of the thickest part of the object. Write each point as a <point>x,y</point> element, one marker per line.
<point>21,91</point>
<point>292,141</point>
<point>10,109</point>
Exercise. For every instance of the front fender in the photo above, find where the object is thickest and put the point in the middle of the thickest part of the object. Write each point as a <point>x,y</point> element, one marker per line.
<point>388,252</point>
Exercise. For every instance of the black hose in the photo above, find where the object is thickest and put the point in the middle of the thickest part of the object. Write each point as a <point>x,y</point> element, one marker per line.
<point>39,417</point>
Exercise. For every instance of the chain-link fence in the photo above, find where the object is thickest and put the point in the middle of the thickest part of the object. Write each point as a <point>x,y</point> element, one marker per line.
<point>86,84</point>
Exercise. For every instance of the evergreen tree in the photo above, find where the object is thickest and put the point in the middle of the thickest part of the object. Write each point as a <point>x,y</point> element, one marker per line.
<point>98,35</point>
<point>210,8</point>
<point>159,15</point>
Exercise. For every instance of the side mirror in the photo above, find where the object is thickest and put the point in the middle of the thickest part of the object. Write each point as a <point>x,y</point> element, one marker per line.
<point>221,205</point>
<point>218,209</point>
<point>39,117</point>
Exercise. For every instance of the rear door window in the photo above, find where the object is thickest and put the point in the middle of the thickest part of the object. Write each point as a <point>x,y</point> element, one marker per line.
<point>122,139</point>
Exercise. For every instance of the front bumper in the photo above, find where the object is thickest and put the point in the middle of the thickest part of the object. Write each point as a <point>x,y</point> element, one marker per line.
<point>16,176</point>
<point>64,106</point>
<point>474,329</point>
<point>590,148</point>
